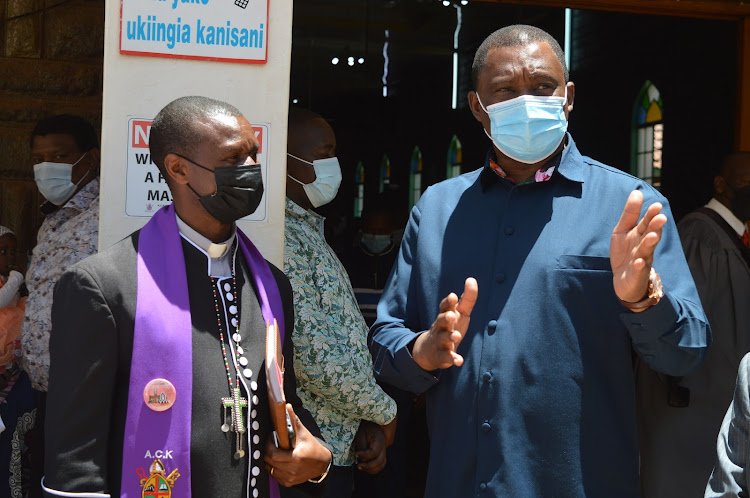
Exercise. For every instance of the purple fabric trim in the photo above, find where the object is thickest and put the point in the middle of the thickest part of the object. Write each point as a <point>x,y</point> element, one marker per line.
<point>162,316</point>
<point>265,283</point>
<point>162,348</point>
<point>270,305</point>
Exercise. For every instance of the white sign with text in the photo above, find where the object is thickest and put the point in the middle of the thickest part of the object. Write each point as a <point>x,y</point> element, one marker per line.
<point>220,30</point>
<point>146,190</point>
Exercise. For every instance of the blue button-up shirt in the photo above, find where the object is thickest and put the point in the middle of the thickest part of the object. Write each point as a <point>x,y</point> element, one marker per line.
<point>544,402</point>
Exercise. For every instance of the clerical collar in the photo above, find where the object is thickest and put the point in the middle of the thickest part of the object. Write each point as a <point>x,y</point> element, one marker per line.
<point>218,255</point>
<point>728,216</point>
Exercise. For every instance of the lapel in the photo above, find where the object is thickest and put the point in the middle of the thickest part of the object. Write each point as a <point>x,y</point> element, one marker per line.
<point>252,327</point>
<point>736,239</point>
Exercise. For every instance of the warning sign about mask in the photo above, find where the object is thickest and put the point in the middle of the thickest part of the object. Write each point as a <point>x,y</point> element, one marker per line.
<point>146,189</point>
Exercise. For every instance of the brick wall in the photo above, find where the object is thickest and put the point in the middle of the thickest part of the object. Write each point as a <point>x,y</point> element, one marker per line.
<point>51,57</point>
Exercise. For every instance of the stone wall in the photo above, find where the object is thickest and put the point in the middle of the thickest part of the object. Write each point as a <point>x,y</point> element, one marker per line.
<point>51,58</point>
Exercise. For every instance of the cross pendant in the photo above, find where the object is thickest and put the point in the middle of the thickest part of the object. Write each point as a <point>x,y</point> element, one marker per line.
<point>234,406</point>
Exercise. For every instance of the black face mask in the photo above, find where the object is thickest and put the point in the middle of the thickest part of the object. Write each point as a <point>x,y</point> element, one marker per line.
<point>239,190</point>
<point>741,203</point>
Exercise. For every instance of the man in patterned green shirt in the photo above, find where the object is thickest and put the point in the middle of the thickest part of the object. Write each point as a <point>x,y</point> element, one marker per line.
<point>333,364</point>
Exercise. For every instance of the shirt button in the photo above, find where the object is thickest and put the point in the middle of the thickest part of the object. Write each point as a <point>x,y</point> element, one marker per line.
<point>486,376</point>
<point>500,278</point>
<point>486,427</point>
<point>492,324</point>
<point>483,486</point>
<point>509,230</point>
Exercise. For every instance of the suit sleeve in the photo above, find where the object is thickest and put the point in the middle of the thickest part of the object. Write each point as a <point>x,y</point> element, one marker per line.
<point>673,336</point>
<point>83,360</point>
<point>729,477</point>
<point>290,378</point>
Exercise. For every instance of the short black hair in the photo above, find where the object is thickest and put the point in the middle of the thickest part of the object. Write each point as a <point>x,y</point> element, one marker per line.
<point>173,130</point>
<point>517,35</point>
<point>67,124</point>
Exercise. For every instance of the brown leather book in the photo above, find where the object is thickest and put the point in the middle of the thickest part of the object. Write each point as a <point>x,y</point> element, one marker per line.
<point>283,429</point>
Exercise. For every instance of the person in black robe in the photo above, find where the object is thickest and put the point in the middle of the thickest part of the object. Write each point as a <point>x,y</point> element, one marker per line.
<point>680,417</point>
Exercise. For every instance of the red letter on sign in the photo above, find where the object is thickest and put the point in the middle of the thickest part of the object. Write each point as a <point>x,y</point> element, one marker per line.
<point>259,135</point>
<point>140,133</point>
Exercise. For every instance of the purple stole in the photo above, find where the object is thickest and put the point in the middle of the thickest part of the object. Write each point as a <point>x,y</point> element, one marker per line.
<point>162,349</point>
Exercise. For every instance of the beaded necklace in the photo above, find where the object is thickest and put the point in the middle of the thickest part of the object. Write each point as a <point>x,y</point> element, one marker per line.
<point>234,403</point>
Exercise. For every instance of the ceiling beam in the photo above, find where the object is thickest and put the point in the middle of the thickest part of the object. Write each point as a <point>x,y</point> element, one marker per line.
<point>729,10</point>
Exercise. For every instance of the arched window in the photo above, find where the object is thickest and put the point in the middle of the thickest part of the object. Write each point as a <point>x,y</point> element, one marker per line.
<point>454,160</point>
<point>415,177</point>
<point>385,173</point>
<point>647,137</point>
<point>359,189</point>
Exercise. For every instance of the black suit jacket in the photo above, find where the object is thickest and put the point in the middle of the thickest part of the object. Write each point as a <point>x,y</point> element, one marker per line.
<point>91,344</point>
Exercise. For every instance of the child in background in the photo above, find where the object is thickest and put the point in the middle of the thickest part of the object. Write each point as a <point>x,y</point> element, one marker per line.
<point>11,304</point>
<point>17,398</point>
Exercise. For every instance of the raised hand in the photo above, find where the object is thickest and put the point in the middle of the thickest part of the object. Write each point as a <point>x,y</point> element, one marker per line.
<point>436,348</point>
<point>307,460</point>
<point>631,249</point>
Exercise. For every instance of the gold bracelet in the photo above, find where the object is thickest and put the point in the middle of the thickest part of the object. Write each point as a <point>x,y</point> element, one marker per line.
<point>324,474</point>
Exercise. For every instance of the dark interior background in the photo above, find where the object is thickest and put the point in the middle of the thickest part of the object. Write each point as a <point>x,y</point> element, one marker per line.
<point>692,62</point>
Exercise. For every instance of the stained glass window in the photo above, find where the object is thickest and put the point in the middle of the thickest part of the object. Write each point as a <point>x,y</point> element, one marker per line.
<point>385,173</point>
<point>647,135</point>
<point>415,177</point>
<point>359,189</point>
<point>454,160</point>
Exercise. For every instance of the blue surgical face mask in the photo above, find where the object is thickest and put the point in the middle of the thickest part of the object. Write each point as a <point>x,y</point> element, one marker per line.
<point>53,180</point>
<point>327,180</point>
<point>527,128</point>
<point>376,243</point>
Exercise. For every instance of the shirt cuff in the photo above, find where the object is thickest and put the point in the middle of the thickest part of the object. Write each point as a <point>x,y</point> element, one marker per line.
<point>652,323</point>
<point>419,379</point>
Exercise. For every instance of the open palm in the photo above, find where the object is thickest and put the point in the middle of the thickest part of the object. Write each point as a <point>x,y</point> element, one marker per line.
<point>631,249</point>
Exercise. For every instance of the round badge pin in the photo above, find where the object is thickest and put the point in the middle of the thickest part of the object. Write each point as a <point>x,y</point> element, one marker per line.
<point>159,395</point>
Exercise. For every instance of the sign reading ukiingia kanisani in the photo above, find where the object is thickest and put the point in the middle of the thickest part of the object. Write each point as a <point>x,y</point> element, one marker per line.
<point>221,30</point>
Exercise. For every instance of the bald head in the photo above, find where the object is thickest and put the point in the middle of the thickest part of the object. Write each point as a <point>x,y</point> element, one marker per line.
<point>310,138</point>
<point>180,125</point>
<point>299,118</point>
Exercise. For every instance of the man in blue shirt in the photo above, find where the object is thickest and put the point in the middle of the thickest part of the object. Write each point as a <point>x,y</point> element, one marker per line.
<point>529,379</point>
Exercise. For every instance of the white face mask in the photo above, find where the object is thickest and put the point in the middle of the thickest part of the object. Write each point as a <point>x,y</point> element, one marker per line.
<point>54,180</point>
<point>327,180</point>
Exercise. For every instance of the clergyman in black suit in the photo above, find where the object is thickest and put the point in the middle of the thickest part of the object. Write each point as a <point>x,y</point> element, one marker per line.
<point>116,319</point>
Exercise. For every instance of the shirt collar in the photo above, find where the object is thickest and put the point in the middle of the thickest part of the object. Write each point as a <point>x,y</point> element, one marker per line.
<point>218,256</point>
<point>311,217</point>
<point>728,216</point>
<point>84,197</point>
<point>569,164</point>
<point>212,250</point>
<point>572,166</point>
